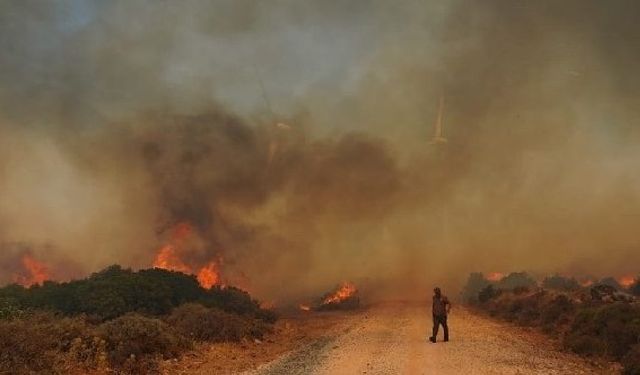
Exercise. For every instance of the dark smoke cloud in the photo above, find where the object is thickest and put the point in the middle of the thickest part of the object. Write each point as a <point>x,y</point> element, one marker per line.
<point>120,120</point>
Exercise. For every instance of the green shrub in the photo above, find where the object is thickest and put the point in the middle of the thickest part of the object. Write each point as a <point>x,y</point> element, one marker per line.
<point>529,311</point>
<point>619,325</point>
<point>488,293</point>
<point>615,327</point>
<point>611,282</point>
<point>610,330</point>
<point>557,282</point>
<point>475,283</point>
<point>515,280</point>
<point>557,311</point>
<point>584,344</point>
<point>230,299</point>
<point>135,341</point>
<point>114,292</point>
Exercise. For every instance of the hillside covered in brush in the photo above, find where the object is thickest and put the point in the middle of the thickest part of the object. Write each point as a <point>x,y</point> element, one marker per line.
<point>121,320</point>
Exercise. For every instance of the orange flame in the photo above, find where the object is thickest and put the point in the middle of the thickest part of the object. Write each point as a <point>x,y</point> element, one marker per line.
<point>345,291</point>
<point>208,275</point>
<point>586,283</point>
<point>495,276</point>
<point>168,258</point>
<point>626,281</point>
<point>304,307</point>
<point>34,272</point>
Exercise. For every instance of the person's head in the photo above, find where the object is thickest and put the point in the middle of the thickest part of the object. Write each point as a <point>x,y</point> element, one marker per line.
<point>437,291</point>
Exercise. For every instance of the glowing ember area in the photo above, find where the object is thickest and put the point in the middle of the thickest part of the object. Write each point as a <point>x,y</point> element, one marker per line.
<point>208,275</point>
<point>626,281</point>
<point>346,291</point>
<point>304,307</point>
<point>34,272</point>
<point>586,283</point>
<point>495,276</point>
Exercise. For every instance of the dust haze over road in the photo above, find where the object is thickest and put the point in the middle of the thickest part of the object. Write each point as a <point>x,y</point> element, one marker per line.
<point>391,338</point>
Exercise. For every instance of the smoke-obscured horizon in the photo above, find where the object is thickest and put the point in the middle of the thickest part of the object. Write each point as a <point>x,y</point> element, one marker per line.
<point>121,120</point>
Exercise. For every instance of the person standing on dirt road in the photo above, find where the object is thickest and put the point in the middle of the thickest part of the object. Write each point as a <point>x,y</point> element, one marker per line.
<point>440,309</point>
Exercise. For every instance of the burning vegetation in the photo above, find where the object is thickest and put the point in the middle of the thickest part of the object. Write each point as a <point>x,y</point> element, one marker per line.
<point>344,297</point>
<point>626,281</point>
<point>170,257</point>
<point>33,272</point>
<point>120,319</point>
<point>343,293</point>
<point>477,282</point>
<point>495,276</point>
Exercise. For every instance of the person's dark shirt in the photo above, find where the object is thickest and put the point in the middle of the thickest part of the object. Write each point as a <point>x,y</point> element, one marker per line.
<point>440,305</point>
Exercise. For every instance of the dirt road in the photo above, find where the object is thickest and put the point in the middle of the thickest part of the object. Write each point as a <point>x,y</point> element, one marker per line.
<point>392,339</point>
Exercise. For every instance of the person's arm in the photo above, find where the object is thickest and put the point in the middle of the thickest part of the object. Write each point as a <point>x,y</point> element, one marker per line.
<point>447,304</point>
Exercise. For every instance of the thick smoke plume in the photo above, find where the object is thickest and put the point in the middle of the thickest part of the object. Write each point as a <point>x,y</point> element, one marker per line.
<point>294,139</point>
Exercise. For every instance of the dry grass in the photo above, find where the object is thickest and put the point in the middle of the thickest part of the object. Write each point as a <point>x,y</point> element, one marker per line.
<point>48,343</point>
<point>204,324</point>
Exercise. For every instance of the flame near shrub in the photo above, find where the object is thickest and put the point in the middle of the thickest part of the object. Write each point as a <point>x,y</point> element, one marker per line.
<point>120,320</point>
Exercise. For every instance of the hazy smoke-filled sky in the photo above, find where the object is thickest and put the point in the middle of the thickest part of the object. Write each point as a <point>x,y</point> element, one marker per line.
<point>122,119</point>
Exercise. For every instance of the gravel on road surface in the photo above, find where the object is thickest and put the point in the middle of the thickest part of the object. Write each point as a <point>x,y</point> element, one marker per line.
<point>392,338</point>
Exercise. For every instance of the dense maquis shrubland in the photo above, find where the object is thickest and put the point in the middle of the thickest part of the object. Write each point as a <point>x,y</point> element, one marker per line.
<point>119,319</point>
<point>601,319</point>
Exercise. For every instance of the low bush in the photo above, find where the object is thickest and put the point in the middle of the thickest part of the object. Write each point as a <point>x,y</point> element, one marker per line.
<point>233,300</point>
<point>117,319</point>
<point>610,329</point>
<point>515,280</point>
<point>584,344</point>
<point>10,309</point>
<point>488,293</point>
<point>596,326</point>
<point>44,342</point>
<point>209,324</point>
<point>529,310</point>
<point>558,311</point>
<point>135,341</point>
<point>561,283</point>
<point>475,283</point>
<point>611,282</point>
<point>618,325</point>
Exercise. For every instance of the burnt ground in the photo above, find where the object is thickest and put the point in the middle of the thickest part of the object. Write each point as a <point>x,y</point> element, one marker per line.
<point>392,339</point>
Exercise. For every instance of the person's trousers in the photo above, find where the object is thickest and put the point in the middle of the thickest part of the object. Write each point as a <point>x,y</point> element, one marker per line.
<point>440,320</point>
